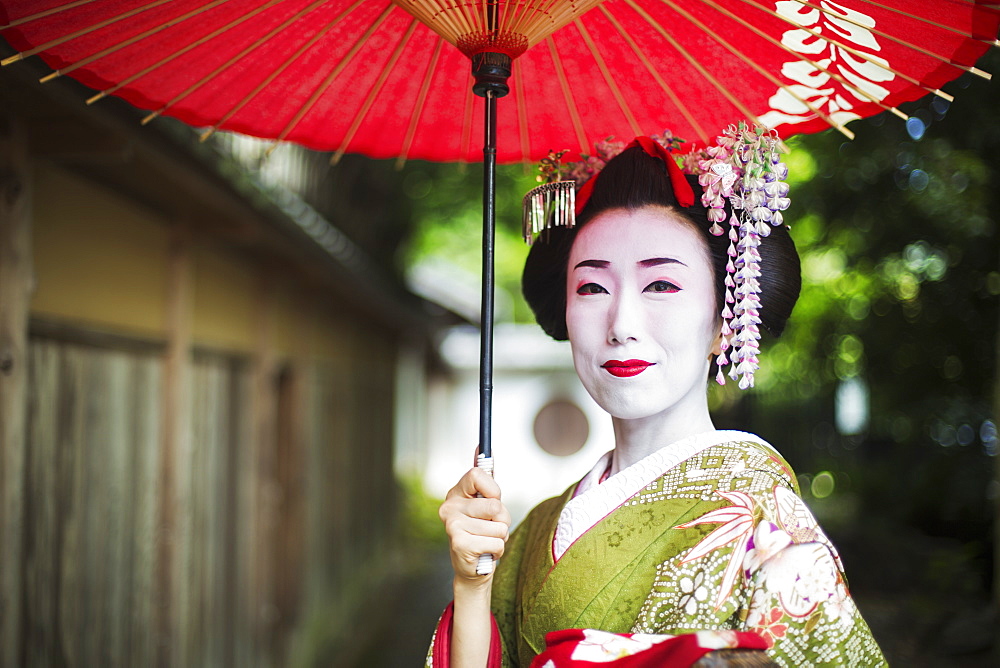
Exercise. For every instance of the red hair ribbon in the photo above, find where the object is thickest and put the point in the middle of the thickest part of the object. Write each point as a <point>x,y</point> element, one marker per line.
<point>682,189</point>
<point>583,196</point>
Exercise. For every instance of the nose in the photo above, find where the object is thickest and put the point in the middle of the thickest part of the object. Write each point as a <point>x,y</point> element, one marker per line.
<point>624,319</point>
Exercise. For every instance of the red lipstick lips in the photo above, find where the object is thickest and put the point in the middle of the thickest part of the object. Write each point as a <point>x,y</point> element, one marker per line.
<point>627,368</point>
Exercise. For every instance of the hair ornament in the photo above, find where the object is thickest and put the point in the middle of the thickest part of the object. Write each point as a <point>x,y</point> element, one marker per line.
<point>566,186</point>
<point>743,168</point>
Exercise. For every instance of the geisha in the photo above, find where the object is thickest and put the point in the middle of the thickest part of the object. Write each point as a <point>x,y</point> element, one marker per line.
<point>682,539</point>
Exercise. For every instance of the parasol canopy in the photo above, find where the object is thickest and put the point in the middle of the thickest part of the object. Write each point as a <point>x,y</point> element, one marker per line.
<point>385,79</point>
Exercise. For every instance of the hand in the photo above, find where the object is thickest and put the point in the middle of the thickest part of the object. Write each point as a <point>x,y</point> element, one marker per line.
<point>474,525</point>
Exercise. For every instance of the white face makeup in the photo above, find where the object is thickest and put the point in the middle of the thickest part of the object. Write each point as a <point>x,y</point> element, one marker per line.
<point>641,313</point>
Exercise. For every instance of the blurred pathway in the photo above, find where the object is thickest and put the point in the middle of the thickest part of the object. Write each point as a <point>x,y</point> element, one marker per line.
<point>411,617</point>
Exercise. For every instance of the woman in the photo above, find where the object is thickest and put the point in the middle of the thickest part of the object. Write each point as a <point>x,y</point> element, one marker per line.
<point>681,534</point>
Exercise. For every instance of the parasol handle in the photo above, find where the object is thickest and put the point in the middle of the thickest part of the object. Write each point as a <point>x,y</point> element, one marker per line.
<point>486,562</point>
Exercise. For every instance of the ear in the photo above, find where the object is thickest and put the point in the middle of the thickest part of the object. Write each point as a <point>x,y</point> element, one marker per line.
<point>716,348</point>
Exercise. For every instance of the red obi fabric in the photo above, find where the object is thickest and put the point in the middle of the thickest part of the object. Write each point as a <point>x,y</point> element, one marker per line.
<point>577,648</point>
<point>580,648</point>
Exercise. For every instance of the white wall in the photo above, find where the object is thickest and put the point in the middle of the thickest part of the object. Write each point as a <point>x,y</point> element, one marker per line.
<point>530,370</point>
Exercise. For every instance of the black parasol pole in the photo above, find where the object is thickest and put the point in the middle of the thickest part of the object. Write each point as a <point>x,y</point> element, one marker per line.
<point>491,71</point>
<point>489,278</point>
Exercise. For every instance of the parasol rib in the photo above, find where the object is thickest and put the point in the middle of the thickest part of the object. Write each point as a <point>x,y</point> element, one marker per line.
<point>529,26</point>
<point>685,112</point>
<point>418,108</point>
<point>505,14</point>
<point>278,71</point>
<point>694,63</point>
<point>458,24</point>
<point>860,54</point>
<point>344,62</point>
<point>522,22</point>
<point>802,58</point>
<point>47,12</point>
<point>190,47</point>
<point>531,20</point>
<point>902,42</point>
<point>608,79</point>
<point>81,32</point>
<point>147,70</point>
<point>132,40</point>
<point>373,93</point>
<point>981,4</point>
<point>930,22</point>
<point>568,97</point>
<point>522,113</point>
<point>452,23</point>
<point>760,70</point>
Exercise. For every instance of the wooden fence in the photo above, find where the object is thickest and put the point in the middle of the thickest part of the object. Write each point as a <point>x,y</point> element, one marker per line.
<point>278,537</point>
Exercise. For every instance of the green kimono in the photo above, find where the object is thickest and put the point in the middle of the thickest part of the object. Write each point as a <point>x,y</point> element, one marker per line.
<point>706,534</point>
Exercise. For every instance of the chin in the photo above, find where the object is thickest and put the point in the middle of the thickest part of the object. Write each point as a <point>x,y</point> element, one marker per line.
<point>631,404</point>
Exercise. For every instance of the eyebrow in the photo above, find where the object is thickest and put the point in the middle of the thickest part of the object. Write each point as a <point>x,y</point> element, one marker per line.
<point>597,264</point>
<point>657,261</point>
<point>651,262</point>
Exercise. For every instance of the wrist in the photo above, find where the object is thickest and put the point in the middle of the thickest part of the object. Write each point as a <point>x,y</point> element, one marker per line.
<point>473,590</point>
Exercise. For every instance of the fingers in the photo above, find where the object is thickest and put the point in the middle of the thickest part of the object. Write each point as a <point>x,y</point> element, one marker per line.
<point>457,524</point>
<point>476,481</point>
<point>472,544</point>
<point>480,508</point>
<point>472,539</point>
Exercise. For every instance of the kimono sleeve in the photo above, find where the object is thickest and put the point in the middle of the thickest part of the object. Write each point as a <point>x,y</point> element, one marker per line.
<point>439,654</point>
<point>506,593</point>
<point>799,601</point>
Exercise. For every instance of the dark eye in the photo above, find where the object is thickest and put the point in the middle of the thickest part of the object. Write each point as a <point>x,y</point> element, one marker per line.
<point>661,286</point>
<point>590,289</point>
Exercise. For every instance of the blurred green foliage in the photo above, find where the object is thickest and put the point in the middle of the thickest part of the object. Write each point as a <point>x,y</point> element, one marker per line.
<point>898,236</point>
<point>420,525</point>
<point>448,211</point>
<point>900,246</point>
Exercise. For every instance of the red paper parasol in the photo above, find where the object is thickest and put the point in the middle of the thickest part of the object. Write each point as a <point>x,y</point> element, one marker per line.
<point>369,77</point>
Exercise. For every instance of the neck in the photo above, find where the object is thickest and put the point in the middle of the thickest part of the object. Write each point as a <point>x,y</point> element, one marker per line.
<point>638,438</point>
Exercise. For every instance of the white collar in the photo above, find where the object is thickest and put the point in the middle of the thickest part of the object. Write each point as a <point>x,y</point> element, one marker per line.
<point>594,501</point>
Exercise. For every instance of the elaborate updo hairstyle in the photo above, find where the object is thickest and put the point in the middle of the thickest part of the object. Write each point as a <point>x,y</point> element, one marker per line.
<point>632,180</point>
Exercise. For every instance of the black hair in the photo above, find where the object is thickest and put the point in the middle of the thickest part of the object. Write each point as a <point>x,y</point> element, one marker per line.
<point>632,180</point>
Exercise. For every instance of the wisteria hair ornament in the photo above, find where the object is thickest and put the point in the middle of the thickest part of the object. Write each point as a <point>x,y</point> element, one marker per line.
<point>744,168</point>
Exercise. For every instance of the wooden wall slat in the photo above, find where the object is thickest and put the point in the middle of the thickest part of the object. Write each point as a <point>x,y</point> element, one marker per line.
<point>115,474</point>
<point>96,439</point>
<point>246,489</point>
<point>69,388</point>
<point>181,653</point>
<point>146,434</point>
<point>16,286</point>
<point>38,568</point>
